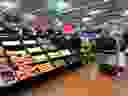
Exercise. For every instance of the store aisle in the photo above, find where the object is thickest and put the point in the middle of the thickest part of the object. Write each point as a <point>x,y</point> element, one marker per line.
<point>73,84</point>
<point>79,83</point>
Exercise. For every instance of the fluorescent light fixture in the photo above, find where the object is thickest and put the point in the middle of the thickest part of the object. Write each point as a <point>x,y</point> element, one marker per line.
<point>60,5</point>
<point>63,4</point>
<point>11,42</point>
<point>3,36</point>
<point>107,1</point>
<point>8,4</point>
<point>125,13</point>
<point>94,12</point>
<point>29,42</point>
<point>86,19</point>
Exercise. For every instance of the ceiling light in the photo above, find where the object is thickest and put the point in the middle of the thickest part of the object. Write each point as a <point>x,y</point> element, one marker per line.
<point>86,19</point>
<point>8,4</point>
<point>61,5</point>
<point>107,1</point>
<point>94,12</point>
<point>125,13</point>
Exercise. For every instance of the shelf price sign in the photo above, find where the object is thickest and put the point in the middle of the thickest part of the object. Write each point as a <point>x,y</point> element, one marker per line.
<point>88,34</point>
<point>68,28</point>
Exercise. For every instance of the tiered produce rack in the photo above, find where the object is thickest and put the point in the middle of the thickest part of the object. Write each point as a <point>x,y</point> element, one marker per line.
<point>44,51</point>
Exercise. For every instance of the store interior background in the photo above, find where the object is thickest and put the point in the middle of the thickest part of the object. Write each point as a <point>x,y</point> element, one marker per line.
<point>67,83</point>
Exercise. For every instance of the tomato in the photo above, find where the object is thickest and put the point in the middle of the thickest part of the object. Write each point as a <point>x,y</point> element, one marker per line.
<point>101,76</point>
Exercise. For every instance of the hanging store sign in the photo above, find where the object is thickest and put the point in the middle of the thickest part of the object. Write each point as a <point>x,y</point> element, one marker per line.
<point>88,34</point>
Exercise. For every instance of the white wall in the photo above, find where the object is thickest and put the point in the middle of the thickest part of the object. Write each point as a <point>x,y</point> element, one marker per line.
<point>122,3</point>
<point>29,5</point>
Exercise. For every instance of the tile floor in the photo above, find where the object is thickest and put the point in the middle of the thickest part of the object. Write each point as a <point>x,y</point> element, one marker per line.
<point>74,84</point>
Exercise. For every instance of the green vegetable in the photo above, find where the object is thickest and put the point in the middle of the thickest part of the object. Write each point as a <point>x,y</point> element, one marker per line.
<point>39,58</point>
<point>21,52</point>
<point>34,50</point>
<point>104,67</point>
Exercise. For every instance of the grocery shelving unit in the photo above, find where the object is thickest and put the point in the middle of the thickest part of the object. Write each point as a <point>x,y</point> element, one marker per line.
<point>42,55</point>
<point>23,48</point>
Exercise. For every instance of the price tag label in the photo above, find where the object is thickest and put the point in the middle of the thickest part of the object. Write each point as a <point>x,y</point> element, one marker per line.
<point>68,28</point>
<point>88,34</point>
